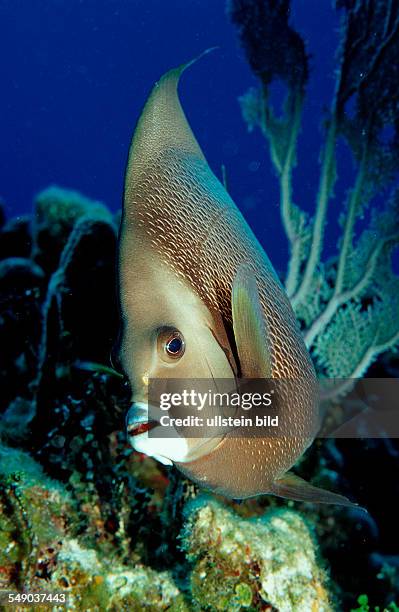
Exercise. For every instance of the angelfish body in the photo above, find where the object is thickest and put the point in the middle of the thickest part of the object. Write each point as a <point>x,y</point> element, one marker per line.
<point>188,260</point>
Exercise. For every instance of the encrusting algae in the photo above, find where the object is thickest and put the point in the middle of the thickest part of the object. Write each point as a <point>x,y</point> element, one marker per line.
<point>42,549</point>
<point>265,563</point>
<point>237,563</point>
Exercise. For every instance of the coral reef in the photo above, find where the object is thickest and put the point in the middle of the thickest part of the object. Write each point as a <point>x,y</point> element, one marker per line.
<point>62,406</point>
<point>42,548</point>
<point>79,510</point>
<point>264,563</point>
<point>349,299</point>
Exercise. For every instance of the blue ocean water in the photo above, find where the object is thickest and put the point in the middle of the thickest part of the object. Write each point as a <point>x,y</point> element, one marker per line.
<point>76,73</point>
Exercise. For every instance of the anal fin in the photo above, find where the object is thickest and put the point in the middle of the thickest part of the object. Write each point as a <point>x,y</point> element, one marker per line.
<point>291,486</point>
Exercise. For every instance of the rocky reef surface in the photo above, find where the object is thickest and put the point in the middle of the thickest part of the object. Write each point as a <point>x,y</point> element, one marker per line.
<point>81,513</point>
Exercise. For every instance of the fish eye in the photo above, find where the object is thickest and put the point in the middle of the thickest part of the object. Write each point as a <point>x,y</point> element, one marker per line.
<point>171,343</point>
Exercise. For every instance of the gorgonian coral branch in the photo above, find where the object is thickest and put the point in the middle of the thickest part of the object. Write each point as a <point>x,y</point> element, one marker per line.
<point>276,52</point>
<point>350,298</point>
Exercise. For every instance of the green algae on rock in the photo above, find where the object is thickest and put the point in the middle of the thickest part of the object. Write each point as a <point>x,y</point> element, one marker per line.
<point>264,563</point>
<point>96,584</point>
<point>42,548</point>
<point>35,514</point>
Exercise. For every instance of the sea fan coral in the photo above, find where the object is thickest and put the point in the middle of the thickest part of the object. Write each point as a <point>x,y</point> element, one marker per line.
<point>354,296</point>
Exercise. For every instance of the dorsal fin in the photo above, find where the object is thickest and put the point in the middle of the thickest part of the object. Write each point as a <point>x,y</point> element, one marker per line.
<point>162,126</point>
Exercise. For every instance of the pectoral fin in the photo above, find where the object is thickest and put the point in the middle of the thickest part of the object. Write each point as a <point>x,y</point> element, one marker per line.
<point>250,330</point>
<point>293,487</point>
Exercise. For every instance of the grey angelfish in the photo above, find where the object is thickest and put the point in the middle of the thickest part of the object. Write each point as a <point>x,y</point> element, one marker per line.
<point>200,299</point>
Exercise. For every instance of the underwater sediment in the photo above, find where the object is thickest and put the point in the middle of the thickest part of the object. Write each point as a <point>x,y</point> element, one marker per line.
<point>81,512</point>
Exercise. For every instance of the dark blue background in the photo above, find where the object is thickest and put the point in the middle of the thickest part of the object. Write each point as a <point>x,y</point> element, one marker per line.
<point>75,74</point>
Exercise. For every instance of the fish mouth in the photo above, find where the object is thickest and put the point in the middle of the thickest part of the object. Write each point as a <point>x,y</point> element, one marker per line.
<point>135,429</point>
<point>137,422</point>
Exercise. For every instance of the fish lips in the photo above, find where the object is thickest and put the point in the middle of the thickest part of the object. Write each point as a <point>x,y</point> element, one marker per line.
<point>165,450</point>
<point>137,422</point>
<point>137,428</point>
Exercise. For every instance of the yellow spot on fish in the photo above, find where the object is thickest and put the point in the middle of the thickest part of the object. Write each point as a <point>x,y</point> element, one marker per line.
<point>145,379</point>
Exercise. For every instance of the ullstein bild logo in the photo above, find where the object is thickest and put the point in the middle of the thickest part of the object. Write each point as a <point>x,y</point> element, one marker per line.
<point>273,407</point>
